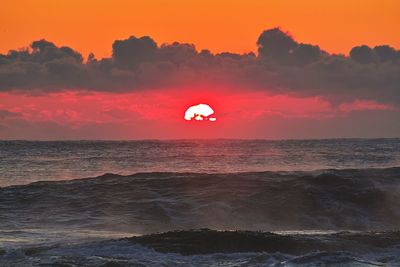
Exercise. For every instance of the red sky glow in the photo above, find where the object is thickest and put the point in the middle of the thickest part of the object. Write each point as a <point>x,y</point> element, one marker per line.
<point>158,114</point>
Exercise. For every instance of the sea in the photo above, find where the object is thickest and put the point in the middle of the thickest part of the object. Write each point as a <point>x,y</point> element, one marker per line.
<point>332,202</point>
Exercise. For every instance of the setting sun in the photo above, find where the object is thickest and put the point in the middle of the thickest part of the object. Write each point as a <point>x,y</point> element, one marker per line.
<point>200,112</point>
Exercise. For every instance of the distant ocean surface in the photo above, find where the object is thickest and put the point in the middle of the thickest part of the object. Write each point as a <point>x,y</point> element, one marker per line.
<point>23,162</point>
<point>100,203</point>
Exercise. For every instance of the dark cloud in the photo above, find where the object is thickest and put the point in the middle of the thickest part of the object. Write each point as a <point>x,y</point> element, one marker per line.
<point>363,54</point>
<point>133,51</point>
<point>277,46</point>
<point>5,114</point>
<point>386,53</point>
<point>383,53</point>
<point>282,65</point>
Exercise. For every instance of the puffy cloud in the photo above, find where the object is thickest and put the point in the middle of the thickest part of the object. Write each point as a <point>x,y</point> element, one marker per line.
<point>282,66</point>
<point>133,51</point>
<point>277,46</point>
<point>386,53</point>
<point>305,54</point>
<point>383,53</point>
<point>363,54</point>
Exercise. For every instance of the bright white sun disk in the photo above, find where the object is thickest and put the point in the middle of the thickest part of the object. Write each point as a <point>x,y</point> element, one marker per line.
<point>199,112</point>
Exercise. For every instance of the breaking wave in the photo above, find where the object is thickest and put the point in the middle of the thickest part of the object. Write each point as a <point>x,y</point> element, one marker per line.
<point>219,248</point>
<point>352,199</point>
<point>91,221</point>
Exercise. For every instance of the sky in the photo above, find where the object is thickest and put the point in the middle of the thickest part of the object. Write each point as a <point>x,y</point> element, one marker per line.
<point>130,69</point>
<point>224,25</point>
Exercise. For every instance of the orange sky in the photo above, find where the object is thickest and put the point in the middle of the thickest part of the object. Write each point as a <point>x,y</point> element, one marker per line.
<point>225,25</point>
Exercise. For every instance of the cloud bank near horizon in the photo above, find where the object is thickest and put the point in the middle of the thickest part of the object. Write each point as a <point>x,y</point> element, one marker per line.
<point>282,66</point>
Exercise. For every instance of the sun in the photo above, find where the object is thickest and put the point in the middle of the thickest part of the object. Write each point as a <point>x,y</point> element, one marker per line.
<point>200,112</point>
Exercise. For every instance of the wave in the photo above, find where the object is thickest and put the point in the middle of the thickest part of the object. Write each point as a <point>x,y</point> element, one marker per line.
<point>205,247</point>
<point>206,241</point>
<point>354,199</point>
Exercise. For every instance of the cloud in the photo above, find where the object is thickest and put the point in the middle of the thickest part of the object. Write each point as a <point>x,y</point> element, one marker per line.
<point>365,55</point>
<point>279,47</point>
<point>5,114</point>
<point>130,53</point>
<point>282,66</point>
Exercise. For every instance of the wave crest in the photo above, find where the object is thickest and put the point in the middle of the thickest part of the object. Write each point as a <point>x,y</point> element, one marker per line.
<point>357,199</point>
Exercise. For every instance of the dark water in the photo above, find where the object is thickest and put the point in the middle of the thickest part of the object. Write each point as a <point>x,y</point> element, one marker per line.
<point>309,191</point>
<point>23,162</point>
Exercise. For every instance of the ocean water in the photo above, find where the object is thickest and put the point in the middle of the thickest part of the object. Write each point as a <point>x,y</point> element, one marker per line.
<point>94,203</point>
<point>23,162</point>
